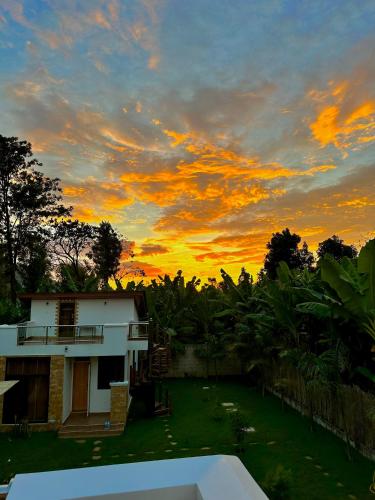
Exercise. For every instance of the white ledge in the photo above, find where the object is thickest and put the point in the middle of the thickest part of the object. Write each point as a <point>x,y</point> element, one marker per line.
<point>216,477</point>
<point>125,383</point>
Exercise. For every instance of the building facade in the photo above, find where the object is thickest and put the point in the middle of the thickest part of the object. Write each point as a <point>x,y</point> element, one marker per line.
<point>73,357</point>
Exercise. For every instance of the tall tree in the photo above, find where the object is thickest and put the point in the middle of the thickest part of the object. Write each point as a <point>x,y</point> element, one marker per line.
<point>336,247</point>
<point>307,257</point>
<point>282,247</point>
<point>34,264</point>
<point>106,252</point>
<point>28,200</point>
<point>71,245</point>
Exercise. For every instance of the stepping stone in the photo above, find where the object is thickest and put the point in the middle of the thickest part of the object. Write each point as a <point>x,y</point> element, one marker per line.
<point>308,457</point>
<point>339,485</point>
<point>170,436</point>
<point>205,448</point>
<point>231,409</point>
<point>98,442</point>
<point>318,467</point>
<point>326,474</point>
<point>97,448</point>
<point>85,463</point>
<point>80,441</point>
<point>227,404</point>
<point>184,449</point>
<point>96,457</point>
<point>248,429</point>
<point>173,443</point>
<point>205,388</point>
<point>270,443</point>
<point>168,451</point>
<point>130,454</point>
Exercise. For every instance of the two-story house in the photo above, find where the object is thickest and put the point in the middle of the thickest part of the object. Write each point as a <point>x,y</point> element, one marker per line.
<point>70,365</point>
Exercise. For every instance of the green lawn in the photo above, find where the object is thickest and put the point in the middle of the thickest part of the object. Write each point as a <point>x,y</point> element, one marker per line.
<point>316,459</point>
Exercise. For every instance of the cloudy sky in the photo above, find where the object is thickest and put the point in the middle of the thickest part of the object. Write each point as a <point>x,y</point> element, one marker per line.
<point>199,127</point>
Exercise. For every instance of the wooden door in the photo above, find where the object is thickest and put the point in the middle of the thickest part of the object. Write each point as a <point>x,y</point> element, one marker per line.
<point>80,386</point>
<point>67,313</point>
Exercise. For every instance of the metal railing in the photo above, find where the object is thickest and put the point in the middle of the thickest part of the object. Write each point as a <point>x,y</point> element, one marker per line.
<point>138,330</point>
<point>29,333</point>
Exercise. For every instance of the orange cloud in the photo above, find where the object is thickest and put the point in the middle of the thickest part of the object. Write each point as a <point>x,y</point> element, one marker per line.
<point>358,202</point>
<point>152,249</point>
<point>340,125</point>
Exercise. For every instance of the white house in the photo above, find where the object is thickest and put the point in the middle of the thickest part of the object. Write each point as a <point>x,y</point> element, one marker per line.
<point>72,360</point>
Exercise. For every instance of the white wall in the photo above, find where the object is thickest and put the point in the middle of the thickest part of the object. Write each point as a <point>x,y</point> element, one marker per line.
<point>101,311</point>
<point>67,393</point>
<point>99,399</point>
<point>43,312</point>
<point>90,311</point>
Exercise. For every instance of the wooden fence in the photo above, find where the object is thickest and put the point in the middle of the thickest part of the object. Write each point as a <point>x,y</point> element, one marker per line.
<point>346,410</point>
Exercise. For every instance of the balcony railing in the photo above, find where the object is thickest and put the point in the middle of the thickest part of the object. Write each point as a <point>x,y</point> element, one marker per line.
<point>30,333</point>
<point>59,334</point>
<point>138,330</point>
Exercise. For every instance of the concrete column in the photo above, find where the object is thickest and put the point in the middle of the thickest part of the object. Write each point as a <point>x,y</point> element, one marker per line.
<point>3,361</point>
<point>56,391</point>
<point>119,402</point>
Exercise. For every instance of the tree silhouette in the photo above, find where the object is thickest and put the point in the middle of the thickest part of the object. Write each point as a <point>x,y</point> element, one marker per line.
<point>282,247</point>
<point>336,247</point>
<point>28,201</point>
<point>307,258</point>
<point>71,243</point>
<point>106,252</point>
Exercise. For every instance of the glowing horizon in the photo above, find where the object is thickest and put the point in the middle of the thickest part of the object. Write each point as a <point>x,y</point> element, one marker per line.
<point>199,128</point>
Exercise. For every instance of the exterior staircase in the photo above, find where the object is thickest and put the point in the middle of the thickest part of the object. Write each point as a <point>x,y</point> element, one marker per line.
<point>90,431</point>
<point>159,360</point>
<point>81,426</point>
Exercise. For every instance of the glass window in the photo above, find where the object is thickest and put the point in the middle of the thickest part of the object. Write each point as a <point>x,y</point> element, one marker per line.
<point>110,369</point>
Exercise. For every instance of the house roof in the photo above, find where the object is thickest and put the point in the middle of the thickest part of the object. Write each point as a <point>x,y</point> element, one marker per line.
<point>139,297</point>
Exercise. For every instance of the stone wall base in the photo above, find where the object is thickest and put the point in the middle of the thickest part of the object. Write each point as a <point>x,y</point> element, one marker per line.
<point>119,402</point>
<point>33,427</point>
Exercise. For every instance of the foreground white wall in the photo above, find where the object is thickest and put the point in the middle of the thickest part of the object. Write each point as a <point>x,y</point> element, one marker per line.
<point>216,477</point>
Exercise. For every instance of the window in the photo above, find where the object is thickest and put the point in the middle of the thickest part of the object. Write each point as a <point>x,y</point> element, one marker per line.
<point>67,316</point>
<point>110,369</point>
<point>29,397</point>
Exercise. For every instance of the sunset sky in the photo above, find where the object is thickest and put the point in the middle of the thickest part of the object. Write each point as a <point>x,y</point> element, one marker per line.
<point>199,127</point>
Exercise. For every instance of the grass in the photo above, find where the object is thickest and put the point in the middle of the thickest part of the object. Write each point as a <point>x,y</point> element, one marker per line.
<point>281,437</point>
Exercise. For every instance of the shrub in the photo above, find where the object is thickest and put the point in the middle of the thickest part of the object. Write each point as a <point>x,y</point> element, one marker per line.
<point>217,413</point>
<point>238,424</point>
<point>277,484</point>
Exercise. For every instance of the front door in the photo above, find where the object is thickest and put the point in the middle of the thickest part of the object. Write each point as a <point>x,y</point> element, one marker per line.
<point>67,313</point>
<point>80,386</point>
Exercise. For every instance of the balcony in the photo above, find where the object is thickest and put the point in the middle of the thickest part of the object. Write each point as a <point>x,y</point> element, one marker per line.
<point>138,330</point>
<point>31,334</point>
